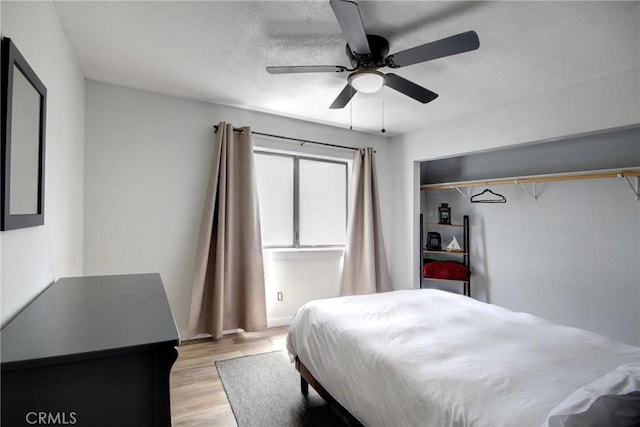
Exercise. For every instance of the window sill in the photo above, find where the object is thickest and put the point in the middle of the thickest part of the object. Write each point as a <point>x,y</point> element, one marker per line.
<point>291,253</point>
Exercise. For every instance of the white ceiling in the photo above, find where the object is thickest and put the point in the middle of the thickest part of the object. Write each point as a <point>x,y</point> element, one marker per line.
<point>217,51</point>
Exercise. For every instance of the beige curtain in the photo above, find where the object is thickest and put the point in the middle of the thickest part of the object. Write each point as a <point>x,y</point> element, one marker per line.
<point>365,268</point>
<point>228,285</point>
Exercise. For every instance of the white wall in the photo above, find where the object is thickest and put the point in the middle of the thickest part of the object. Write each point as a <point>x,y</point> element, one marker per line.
<point>301,276</point>
<point>32,258</point>
<point>608,102</point>
<point>570,256</point>
<point>146,166</point>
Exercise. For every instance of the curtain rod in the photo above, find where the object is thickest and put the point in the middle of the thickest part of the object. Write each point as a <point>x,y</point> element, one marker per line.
<point>539,178</point>
<point>303,141</point>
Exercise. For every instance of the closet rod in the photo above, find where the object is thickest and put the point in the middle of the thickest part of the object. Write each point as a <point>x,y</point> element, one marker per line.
<point>303,141</point>
<point>532,179</point>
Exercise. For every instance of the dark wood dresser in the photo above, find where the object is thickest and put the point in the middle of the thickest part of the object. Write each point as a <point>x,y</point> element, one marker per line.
<point>90,351</point>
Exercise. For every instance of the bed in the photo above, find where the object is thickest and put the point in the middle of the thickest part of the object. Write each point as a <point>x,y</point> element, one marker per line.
<point>432,358</point>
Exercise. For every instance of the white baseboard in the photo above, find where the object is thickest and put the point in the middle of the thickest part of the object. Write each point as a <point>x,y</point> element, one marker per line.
<point>271,323</point>
<point>283,321</point>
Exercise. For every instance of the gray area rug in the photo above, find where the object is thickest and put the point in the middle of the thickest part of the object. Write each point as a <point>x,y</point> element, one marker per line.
<point>264,391</point>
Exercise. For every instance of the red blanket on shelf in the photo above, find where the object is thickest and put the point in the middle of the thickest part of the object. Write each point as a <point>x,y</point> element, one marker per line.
<point>445,270</point>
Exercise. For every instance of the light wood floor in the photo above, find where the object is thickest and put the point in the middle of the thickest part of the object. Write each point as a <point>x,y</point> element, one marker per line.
<point>197,396</point>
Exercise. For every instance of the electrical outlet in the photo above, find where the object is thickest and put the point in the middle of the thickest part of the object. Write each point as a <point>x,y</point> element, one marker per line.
<point>279,296</point>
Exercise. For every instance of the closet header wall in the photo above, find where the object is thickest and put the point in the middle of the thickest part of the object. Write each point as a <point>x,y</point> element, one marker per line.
<point>617,149</point>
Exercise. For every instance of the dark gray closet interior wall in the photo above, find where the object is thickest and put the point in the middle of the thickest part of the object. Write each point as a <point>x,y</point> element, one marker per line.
<point>609,150</point>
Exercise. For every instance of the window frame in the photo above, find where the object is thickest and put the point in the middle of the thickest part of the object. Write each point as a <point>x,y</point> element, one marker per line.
<point>296,157</point>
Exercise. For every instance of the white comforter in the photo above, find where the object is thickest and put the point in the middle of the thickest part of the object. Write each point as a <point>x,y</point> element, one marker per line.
<point>431,358</point>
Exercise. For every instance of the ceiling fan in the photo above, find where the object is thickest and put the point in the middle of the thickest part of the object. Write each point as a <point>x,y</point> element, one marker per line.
<point>367,53</point>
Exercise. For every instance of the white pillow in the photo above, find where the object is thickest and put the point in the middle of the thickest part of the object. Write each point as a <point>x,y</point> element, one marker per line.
<point>611,400</point>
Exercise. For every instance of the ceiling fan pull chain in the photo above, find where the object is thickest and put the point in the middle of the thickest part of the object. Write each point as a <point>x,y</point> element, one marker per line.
<point>382,95</point>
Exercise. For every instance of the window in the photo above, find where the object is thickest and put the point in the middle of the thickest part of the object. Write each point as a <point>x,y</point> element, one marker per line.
<point>303,200</point>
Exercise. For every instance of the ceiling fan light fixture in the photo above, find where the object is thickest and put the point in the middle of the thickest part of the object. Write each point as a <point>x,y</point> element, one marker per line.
<point>367,81</point>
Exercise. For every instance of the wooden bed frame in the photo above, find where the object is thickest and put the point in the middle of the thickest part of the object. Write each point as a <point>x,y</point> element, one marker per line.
<point>307,378</point>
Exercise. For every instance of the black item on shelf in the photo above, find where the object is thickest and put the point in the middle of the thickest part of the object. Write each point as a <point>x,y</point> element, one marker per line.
<point>444,214</point>
<point>434,241</point>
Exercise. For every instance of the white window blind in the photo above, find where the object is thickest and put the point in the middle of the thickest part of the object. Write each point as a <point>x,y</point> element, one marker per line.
<point>323,203</point>
<point>275,198</point>
<point>303,200</point>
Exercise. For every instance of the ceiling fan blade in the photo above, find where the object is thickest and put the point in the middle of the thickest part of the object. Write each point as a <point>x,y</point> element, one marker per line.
<point>453,45</point>
<point>343,99</point>
<point>409,88</point>
<point>348,15</point>
<point>306,69</point>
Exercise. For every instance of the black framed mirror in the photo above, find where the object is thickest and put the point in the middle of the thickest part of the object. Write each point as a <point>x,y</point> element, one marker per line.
<point>24,111</point>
